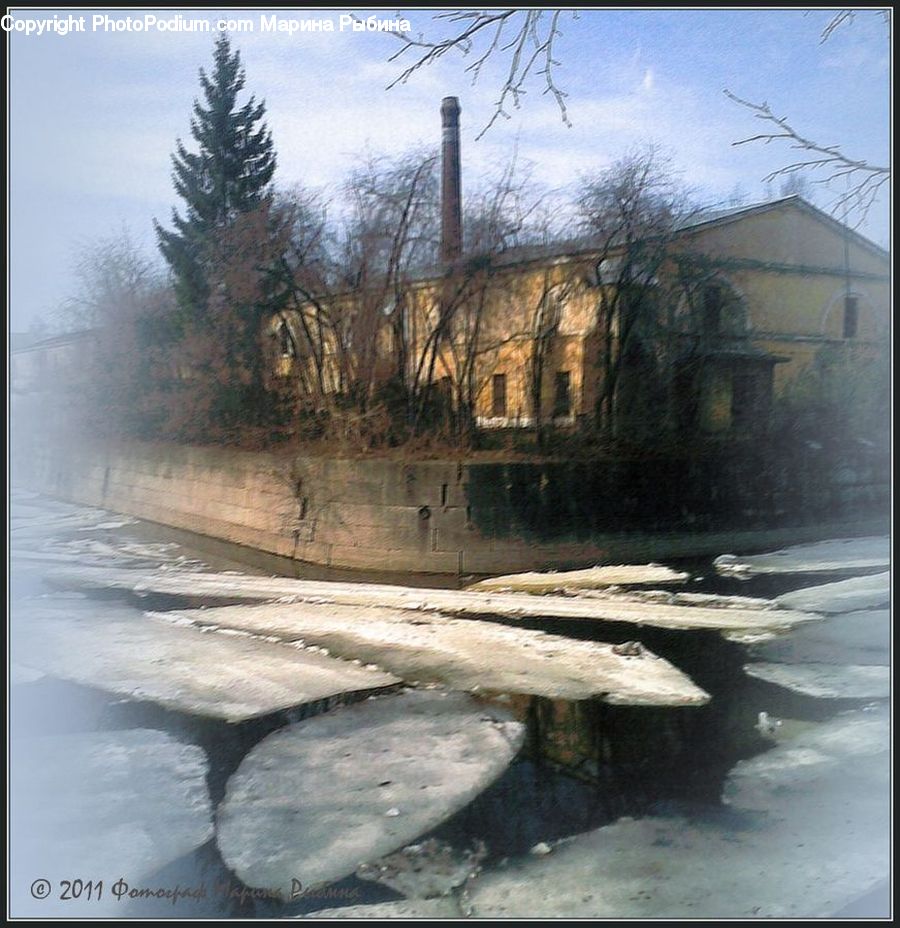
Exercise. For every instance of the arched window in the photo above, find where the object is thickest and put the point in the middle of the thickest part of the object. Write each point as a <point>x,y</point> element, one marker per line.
<point>713,307</point>
<point>851,316</point>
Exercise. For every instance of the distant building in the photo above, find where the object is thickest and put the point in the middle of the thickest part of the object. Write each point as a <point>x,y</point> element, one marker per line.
<point>43,364</point>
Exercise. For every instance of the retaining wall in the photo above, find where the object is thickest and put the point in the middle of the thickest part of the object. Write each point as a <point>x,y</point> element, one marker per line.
<point>431,516</point>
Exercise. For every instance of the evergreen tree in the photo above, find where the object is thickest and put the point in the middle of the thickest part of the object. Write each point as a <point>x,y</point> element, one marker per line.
<point>228,175</point>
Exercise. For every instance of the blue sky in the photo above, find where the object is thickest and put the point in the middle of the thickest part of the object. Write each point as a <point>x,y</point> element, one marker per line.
<point>94,116</point>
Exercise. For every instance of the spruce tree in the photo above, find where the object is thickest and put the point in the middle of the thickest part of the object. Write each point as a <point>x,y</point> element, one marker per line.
<point>228,175</point>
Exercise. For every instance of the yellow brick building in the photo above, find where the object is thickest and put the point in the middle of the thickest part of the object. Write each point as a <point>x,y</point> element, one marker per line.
<point>770,286</point>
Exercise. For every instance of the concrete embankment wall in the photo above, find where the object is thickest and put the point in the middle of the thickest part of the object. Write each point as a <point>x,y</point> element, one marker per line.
<point>430,516</point>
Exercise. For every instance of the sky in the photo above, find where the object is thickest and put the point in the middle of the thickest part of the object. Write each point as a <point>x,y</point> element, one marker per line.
<point>94,115</point>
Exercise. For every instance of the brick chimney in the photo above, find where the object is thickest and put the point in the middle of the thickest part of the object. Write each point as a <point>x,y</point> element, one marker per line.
<point>451,194</point>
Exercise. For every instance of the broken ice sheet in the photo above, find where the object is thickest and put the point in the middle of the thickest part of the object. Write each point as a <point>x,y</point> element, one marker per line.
<point>590,578</point>
<point>851,595</point>
<point>309,802</point>
<point>832,555</point>
<point>826,681</point>
<point>425,870</point>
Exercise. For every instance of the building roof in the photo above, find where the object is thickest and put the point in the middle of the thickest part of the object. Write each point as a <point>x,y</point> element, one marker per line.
<point>23,341</point>
<point>706,218</point>
<point>721,215</point>
<point>715,217</point>
<point>20,340</point>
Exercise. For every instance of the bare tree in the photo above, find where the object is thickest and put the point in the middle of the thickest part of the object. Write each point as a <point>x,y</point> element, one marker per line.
<point>630,213</point>
<point>506,211</point>
<point>513,216</point>
<point>211,379</point>
<point>797,185</point>
<point>307,271</point>
<point>830,164</point>
<point>863,181</point>
<point>111,276</point>
<point>523,38</point>
<point>125,302</point>
<point>481,299</point>
<point>552,295</point>
<point>349,320</point>
<point>843,17</point>
<point>390,240</point>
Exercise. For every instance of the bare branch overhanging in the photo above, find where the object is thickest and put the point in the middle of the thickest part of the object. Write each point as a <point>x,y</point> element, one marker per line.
<point>523,34</point>
<point>847,16</point>
<point>863,180</point>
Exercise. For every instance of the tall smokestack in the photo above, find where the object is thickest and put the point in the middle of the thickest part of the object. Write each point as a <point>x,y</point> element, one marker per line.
<point>451,195</point>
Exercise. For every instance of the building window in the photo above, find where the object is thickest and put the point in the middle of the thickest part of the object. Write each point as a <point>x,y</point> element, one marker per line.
<point>498,405</point>
<point>443,395</point>
<point>751,398</point>
<point>285,341</point>
<point>562,401</point>
<point>851,316</point>
<point>549,313</point>
<point>713,300</point>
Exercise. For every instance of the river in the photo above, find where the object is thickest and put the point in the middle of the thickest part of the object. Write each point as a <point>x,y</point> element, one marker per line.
<point>584,765</point>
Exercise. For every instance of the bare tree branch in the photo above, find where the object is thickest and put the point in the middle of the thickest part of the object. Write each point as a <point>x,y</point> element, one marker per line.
<point>527,37</point>
<point>862,180</point>
<point>631,213</point>
<point>847,16</point>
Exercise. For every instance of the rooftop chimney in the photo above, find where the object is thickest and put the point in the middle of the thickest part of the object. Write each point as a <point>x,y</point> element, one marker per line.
<point>451,198</point>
